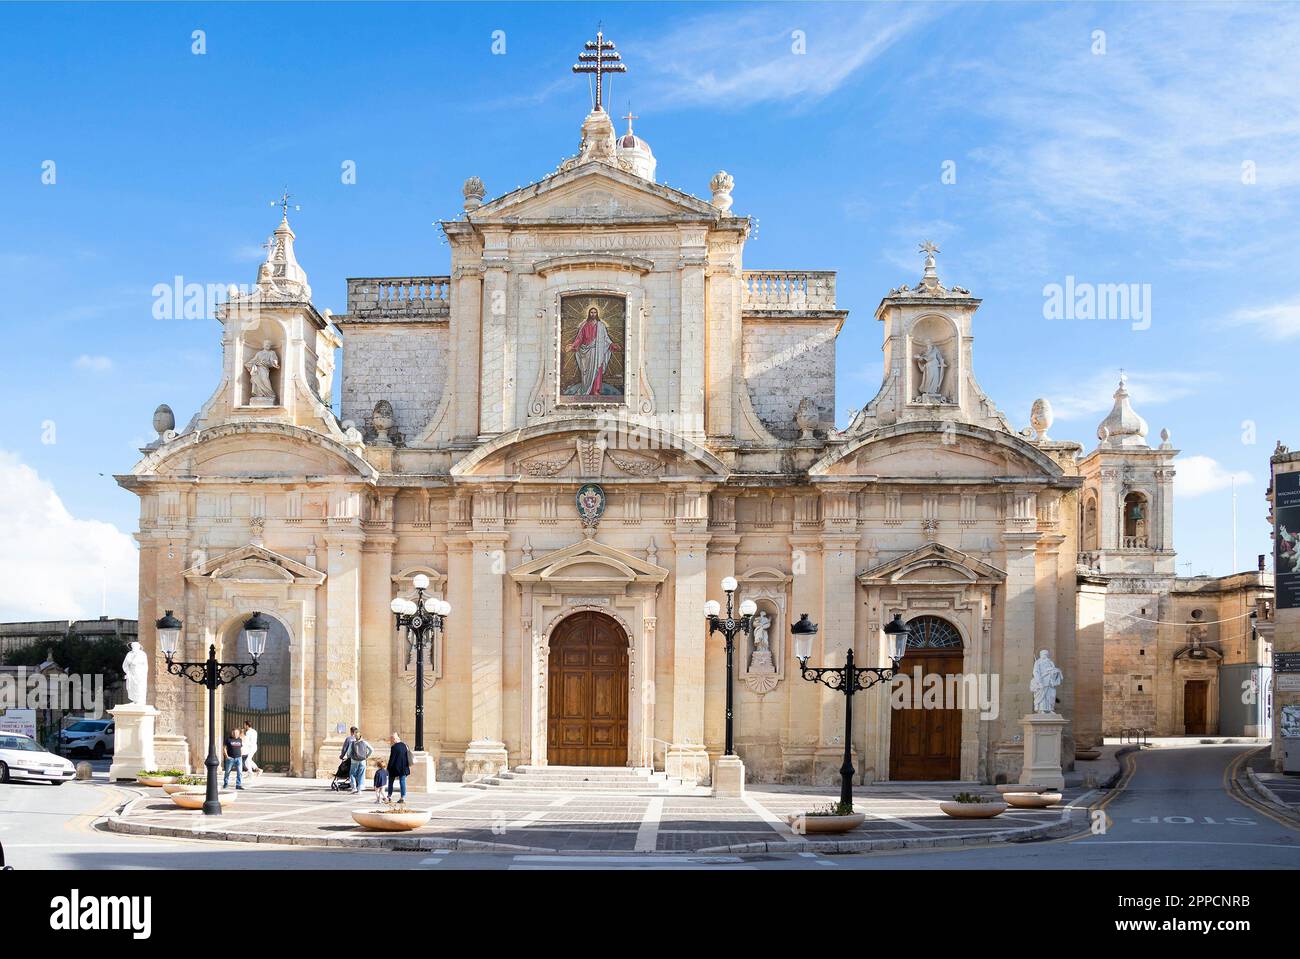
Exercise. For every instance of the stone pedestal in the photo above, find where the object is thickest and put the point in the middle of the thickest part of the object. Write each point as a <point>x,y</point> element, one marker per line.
<point>424,773</point>
<point>689,763</point>
<point>171,752</point>
<point>132,740</point>
<point>729,777</point>
<point>485,758</point>
<point>1043,734</point>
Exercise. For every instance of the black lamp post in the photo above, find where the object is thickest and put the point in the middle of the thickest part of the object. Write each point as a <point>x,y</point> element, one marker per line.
<point>211,674</point>
<point>848,679</point>
<point>729,627</point>
<point>422,619</point>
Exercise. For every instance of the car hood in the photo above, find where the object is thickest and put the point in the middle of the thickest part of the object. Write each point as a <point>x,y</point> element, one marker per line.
<point>15,756</point>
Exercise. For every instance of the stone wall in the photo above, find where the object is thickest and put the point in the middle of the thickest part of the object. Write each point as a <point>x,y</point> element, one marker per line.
<point>785,360</point>
<point>405,364</point>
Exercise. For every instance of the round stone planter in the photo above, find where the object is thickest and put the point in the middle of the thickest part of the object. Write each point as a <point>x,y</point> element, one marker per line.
<point>1020,788</point>
<point>391,821</point>
<point>155,781</point>
<point>809,825</point>
<point>172,788</point>
<point>1032,800</point>
<point>973,810</point>
<point>196,800</point>
<point>1087,755</point>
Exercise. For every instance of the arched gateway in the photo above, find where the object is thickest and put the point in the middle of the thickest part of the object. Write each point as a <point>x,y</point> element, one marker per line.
<point>588,684</point>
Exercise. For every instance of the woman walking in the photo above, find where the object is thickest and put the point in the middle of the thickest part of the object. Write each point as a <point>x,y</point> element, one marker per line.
<point>399,765</point>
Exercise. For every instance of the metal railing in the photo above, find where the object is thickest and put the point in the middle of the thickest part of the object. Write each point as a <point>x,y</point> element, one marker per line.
<point>1135,735</point>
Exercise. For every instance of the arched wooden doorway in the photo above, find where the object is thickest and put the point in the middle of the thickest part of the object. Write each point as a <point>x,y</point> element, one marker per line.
<point>926,743</point>
<point>587,699</point>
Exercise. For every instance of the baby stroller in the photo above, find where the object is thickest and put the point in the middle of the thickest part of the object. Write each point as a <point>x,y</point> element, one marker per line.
<point>342,781</point>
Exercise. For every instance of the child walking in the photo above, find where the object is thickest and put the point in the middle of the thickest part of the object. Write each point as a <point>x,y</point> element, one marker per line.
<point>381,782</point>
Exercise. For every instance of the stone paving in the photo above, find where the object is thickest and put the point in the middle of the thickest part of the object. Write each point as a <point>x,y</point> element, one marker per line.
<point>306,812</point>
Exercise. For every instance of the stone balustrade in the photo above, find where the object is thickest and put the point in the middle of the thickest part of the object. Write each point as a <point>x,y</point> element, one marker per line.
<point>1134,542</point>
<point>399,296</point>
<point>788,290</point>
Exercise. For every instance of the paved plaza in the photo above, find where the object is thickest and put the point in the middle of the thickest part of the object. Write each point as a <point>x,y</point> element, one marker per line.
<point>307,812</point>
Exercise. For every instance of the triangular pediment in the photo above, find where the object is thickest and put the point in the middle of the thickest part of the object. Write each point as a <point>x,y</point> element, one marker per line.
<point>933,564</point>
<point>589,563</point>
<point>256,564</point>
<point>593,192</point>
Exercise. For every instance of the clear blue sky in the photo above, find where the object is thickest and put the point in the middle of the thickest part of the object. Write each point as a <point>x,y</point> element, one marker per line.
<point>1122,166</point>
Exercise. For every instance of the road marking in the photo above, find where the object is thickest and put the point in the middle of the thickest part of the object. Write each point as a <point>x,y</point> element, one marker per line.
<point>1183,842</point>
<point>781,827</point>
<point>1235,791</point>
<point>647,837</point>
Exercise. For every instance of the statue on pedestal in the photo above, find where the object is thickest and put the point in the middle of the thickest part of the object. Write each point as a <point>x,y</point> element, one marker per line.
<point>1046,678</point>
<point>136,668</point>
<point>262,393</point>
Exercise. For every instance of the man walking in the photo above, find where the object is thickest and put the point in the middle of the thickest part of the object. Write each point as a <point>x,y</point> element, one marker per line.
<point>234,760</point>
<point>249,740</point>
<point>358,752</point>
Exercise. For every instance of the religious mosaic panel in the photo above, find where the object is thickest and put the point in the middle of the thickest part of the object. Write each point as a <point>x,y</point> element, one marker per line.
<point>593,347</point>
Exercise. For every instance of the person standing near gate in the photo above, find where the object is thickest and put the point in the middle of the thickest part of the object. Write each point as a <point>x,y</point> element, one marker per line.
<point>250,749</point>
<point>234,760</point>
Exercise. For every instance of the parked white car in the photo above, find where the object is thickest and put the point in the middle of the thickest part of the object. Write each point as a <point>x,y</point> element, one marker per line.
<point>94,736</point>
<point>22,757</point>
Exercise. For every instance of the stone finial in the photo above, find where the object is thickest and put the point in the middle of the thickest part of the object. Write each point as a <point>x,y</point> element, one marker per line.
<point>805,417</point>
<point>598,138</point>
<point>1165,443</point>
<point>164,420</point>
<point>1123,425</point>
<point>474,194</point>
<point>1041,419</point>
<point>382,420</point>
<point>722,185</point>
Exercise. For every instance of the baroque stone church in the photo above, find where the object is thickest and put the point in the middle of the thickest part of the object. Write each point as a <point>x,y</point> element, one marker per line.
<point>576,433</point>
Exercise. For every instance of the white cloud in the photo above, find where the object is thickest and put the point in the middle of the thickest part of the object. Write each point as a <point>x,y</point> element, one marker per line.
<point>54,565</point>
<point>760,63</point>
<point>1280,321</point>
<point>96,364</point>
<point>1083,397</point>
<point>1154,132</point>
<point>1198,475</point>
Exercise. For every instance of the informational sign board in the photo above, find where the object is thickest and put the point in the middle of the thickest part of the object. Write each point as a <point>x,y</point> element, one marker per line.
<point>1288,682</point>
<point>1286,539</point>
<point>21,721</point>
<point>1286,662</point>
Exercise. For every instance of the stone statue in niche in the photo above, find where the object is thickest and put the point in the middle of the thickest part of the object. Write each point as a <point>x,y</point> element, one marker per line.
<point>760,660</point>
<point>931,366</point>
<point>261,392</point>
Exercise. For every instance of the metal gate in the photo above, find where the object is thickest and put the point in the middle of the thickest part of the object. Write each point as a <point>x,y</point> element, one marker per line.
<point>272,734</point>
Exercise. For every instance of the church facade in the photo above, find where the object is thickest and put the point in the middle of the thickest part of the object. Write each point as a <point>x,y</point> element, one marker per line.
<point>576,433</point>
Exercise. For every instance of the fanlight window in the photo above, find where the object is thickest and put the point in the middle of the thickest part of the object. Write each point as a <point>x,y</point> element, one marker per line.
<point>931,632</point>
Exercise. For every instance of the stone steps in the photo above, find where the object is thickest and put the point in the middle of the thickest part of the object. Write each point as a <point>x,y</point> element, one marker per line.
<point>578,779</point>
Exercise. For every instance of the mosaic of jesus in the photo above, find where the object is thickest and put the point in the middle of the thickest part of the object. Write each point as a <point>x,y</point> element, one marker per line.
<point>592,341</point>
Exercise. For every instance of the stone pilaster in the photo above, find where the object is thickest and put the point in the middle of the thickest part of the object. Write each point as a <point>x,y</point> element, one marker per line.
<point>340,646</point>
<point>690,406</point>
<point>379,639</point>
<point>1019,623</point>
<point>486,755</point>
<point>803,705</point>
<point>838,624</point>
<point>688,758</point>
<point>457,655</point>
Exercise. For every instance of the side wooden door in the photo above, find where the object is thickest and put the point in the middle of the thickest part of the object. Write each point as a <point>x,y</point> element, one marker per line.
<point>926,743</point>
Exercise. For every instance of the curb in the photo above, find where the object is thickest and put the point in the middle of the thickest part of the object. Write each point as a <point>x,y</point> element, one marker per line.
<point>1267,797</point>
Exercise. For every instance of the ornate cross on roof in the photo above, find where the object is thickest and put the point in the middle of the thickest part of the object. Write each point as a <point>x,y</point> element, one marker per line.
<point>284,203</point>
<point>928,248</point>
<point>599,57</point>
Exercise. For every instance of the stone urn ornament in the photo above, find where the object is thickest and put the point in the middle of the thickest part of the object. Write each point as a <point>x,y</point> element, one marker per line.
<point>382,419</point>
<point>164,421</point>
<point>1041,419</point>
<point>805,417</point>
<point>722,185</point>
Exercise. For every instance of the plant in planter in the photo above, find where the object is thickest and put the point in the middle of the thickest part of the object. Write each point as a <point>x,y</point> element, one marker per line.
<point>832,818</point>
<point>156,777</point>
<point>969,805</point>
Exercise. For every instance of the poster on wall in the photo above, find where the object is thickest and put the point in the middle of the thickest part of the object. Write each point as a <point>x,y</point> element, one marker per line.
<point>1286,541</point>
<point>21,721</point>
<point>593,344</point>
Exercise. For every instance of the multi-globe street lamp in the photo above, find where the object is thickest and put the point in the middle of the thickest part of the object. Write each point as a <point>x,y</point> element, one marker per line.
<point>211,675</point>
<point>729,626</point>
<point>848,679</point>
<point>423,619</point>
